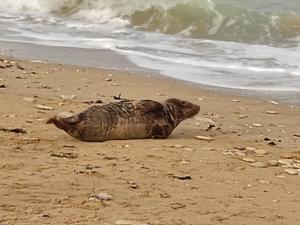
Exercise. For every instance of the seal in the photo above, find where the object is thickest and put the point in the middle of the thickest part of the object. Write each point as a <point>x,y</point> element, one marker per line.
<point>127,120</point>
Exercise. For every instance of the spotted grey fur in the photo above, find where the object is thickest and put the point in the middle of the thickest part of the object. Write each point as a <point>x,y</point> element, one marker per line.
<point>127,120</point>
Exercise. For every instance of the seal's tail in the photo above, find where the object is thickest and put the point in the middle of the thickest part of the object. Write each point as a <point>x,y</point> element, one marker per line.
<point>58,122</point>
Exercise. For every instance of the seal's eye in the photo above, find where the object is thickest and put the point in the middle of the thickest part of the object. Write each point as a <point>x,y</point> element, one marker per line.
<point>184,103</point>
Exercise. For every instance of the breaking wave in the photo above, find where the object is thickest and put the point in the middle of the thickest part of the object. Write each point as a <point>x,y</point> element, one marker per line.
<point>235,20</point>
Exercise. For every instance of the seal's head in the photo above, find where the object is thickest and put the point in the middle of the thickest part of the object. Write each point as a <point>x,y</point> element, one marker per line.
<point>183,109</point>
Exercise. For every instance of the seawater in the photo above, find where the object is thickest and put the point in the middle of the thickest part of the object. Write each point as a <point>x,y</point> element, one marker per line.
<point>239,44</point>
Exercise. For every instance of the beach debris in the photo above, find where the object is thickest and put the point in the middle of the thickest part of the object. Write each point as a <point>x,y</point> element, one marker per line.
<point>14,130</point>
<point>45,86</point>
<point>177,146</point>
<point>273,102</point>
<point>177,206</point>
<point>20,67</point>
<point>68,155</point>
<point>250,160</point>
<point>185,162</point>
<point>20,77</point>
<point>128,222</point>
<point>296,135</point>
<point>133,185</point>
<point>259,165</point>
<point>45,215</point>
<point>235,100</point>
<point>291,171</point>
<point>100,197</point>
<point>272,112</point>
<point>204,138</point>
<point>209,127</point>
<point>271,143</point>
<point>273,163</point>
<point>44,107</point>
<point>242,116</point>
<point>200,99</point>
<point>108,79</point>
<point>3,86</point>
<point>182,177</point>
<point>67,97</point>
<point>188,149</point>
<point>120,98</point>
<point>29,99</point>
<point>257,125</point>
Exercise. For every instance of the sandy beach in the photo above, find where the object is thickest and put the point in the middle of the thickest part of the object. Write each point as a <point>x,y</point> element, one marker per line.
<point>242,169</point>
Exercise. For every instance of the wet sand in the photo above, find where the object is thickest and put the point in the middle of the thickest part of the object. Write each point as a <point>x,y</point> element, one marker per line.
<point>46,177</point>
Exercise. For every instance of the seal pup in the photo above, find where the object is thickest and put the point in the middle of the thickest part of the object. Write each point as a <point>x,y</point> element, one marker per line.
<point>127,120</point>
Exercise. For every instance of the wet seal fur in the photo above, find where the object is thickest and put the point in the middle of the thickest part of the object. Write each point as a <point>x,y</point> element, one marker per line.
<point>127,120</point>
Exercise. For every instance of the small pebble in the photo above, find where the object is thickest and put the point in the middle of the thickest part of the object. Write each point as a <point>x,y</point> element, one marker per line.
<point>261,152</point>
<point>286,162</point>
<point>296,165</point>
<point>257,125</point>
<point>291,171</point>
<point>273,163</point>
<point>44,107</point>
<point>250,160</point>
<point>272,112</point>
<point>241,154</point>
<point>204,138</point>
<point>100,197</point>
<point>177,146</point>
<point>286,156</point>
<point>242,116</point>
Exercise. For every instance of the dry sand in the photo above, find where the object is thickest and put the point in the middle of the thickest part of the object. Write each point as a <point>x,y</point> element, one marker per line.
<point>47,177</point>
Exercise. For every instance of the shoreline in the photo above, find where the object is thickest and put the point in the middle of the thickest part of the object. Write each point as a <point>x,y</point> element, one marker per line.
<point>48,177</point>
<point>89,58</point>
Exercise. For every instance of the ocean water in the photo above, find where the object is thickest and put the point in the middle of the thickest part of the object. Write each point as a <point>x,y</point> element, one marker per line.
<point>240,44</point>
